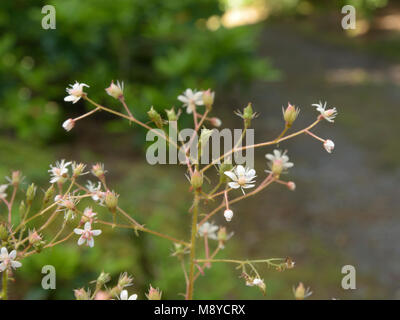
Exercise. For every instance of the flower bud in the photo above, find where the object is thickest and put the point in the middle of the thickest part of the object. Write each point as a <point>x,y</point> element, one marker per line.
<point>3,232</point>
<point>300,291</point>
<point>34,237</point>
<point>81,294</point>
<point>116,90</point>
<point>155,117</point>
<point>77,169</point>
<point>98,170</point>
<point>30,194</point>
<point>329,145</point>
<point>15,178</point>
<point>291,185</point>
<point>68,124</point>
<point>290,114</point>
<point>216,122</point>
<point>171,114</point>
<point>103,279</point>
<point>248,115</point>
<point>154,294</point>
<point>69,215</point>
<point>208,99</point>
<point>124,280</point>
<point>196,180</point>
<point>228,214</point>
<point>102,295</point>
<point>48,195</point>
<point>111,200</point>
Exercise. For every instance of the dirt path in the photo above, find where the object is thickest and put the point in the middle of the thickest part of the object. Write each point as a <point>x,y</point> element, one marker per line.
<point>349,199</point>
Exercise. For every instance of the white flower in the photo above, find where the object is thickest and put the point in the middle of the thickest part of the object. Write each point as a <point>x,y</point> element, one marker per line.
<point>242,177</point>
<point>124,296</point>
<point>68,124</point>
<point>87,234</point>
<point>75,92</point>
<point>97,195</point>
<point>116,90</point>
<point>208,230</point>
<point>228,214</point>
<point>190,99</point>
<point>3,188</point>
<point>329,114</point>
<point>329,145</point>
<point>59,172</point>
<point>279,162</point>
<point>8,260</point>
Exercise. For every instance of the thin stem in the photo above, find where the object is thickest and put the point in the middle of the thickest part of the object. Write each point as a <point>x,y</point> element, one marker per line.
<point>193,246</point>
<point>258,145</point>
<point>4,294</point>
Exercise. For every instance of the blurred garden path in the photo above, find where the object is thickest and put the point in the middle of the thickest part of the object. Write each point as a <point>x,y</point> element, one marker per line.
<point>349,200</point>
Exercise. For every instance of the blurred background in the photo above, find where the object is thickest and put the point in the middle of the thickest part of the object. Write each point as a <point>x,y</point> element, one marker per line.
<point>268,52</point>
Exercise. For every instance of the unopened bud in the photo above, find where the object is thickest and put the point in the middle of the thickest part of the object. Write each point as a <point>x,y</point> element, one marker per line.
<point>216,122</point>
<point>208,99</point>
<point>30,193</point>
<point>111,200</point>
<point>154,294</point>
<point>329,145</point>
<point>171,114</point>
<point>116,90</point>
<point>68,124</point>
<point>3,232</point>
<point>98,170</point>
<point>34,237</point>
<point>196,180</point>
<point>155,117</point>
<point>48,195</point>
<point>248,115</point>
<point>291,185</point>
<point>77,169</point>
<point>103,279</point>
<point>228,214</point>
<point>16,178</point>
<point>81,294</point>
<point>124,280</point>
<point>290,114</point>
<point>22,208</point>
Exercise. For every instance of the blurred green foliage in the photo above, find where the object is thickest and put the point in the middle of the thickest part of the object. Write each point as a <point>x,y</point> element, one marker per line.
<point>157,47</point>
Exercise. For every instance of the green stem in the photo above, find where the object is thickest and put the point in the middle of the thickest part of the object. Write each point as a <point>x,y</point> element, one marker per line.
<point>5,281</point>
<point>193,246</point>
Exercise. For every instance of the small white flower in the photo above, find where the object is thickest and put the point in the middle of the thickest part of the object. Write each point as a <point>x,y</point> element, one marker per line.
<point>208,230</point>
<point>124,296</point>
<point>59,172</point>
<point>279,162</point>
<point>75,92</point>
<point>3,188</point>
<point>257,282</point>
<point>87,234</point>
<point>329,114</point>
<point>97,195</point>
<point>116,90</point>
<point>8,260</point>
<point>329,145</point>
<point>190,99</point>
<point>241,177</point>
<point>68,124</point>
<point>228,214</point>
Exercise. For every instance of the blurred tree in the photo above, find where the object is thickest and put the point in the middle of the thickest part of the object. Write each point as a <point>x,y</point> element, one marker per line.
<point>157,47</point>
